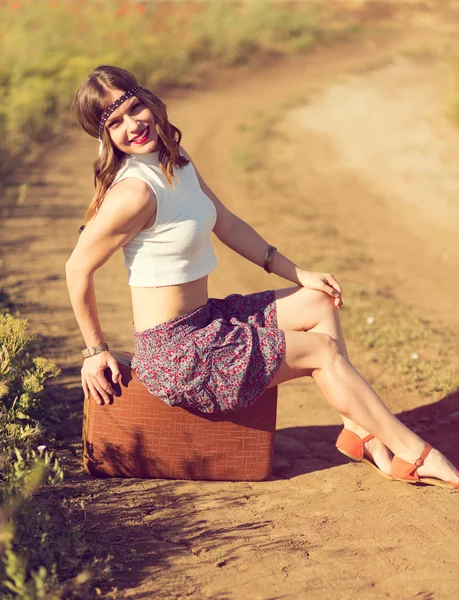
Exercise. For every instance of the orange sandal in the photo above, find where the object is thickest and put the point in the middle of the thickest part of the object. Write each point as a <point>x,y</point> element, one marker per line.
<point>349,444</point>
<point>407,472</point>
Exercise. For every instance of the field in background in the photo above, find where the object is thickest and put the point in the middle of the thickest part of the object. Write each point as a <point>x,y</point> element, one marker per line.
<point>47,47</point>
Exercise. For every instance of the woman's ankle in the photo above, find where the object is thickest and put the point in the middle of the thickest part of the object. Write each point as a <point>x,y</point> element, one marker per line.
<point>410,452</point>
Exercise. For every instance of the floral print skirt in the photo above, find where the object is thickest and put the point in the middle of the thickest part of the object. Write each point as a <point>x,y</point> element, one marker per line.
<point>220,357</point>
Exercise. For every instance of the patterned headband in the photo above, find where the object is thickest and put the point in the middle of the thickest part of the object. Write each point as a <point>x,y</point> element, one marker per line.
<point>108,111</point>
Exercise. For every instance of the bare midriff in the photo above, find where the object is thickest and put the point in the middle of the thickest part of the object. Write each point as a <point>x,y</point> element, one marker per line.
<point>152,306</point>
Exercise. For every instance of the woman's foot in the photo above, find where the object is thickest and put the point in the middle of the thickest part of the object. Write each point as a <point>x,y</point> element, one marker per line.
<point>374,450</point>
<point>435,466</point>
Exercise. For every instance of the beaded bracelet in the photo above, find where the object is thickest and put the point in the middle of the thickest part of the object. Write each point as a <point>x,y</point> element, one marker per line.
<point>268,258</point>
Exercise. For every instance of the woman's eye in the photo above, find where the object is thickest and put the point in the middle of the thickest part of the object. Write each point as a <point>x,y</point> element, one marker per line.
<point>134,108</point>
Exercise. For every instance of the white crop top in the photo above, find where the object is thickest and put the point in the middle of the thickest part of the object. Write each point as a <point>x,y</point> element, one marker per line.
<point>177,248</point>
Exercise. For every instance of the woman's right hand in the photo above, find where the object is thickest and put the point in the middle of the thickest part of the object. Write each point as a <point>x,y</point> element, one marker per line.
<point>322,282</point>
<point>93,378</point>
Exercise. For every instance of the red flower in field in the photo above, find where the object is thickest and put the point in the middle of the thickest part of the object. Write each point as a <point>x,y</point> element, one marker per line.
<point>141,9</point>
<point>123,10</point>
<point>16,5</point>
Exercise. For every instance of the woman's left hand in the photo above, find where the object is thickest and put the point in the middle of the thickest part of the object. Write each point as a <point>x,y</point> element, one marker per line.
<point>323,282</point>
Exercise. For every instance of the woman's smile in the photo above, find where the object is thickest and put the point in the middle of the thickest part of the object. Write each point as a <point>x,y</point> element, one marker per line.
<point>132,124</point>
<point>142,137</point>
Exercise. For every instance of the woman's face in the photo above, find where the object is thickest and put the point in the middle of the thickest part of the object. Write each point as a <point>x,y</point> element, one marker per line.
<point>132,126</point>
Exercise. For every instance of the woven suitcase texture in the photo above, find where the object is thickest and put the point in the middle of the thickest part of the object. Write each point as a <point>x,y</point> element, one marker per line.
<point>139,435</point>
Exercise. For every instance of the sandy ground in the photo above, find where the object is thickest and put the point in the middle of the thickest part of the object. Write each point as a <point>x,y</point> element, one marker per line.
<point>373,156</point>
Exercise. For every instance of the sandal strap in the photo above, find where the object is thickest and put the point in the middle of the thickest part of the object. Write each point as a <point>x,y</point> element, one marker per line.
<point>401,469</point>
<point>423,456</point>
<point>413,470</point>
<point>369,437</point>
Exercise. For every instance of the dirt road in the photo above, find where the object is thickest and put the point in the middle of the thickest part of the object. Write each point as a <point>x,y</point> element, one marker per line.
<point>367,159</point>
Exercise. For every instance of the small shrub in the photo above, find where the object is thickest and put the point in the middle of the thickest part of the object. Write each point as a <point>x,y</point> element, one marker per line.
<point>22,382</point>
<point>42,553</point>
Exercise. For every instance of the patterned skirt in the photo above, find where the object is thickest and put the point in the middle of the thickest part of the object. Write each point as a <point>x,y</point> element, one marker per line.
<point>220,357</point>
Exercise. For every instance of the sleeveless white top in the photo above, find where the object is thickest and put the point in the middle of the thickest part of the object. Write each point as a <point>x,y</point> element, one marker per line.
<point>176,248</point>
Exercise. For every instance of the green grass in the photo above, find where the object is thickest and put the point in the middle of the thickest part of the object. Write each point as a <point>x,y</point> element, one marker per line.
<point>412,347</point>
<point>247,154</point>
<point>48,46</point>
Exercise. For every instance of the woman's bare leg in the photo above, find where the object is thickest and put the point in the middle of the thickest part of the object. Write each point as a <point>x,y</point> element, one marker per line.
<point>318,355</point>
<point>299,309</point>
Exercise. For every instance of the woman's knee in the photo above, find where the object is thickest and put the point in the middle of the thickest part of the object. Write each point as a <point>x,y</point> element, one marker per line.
<point>315,298</point>
<point>317,303</point>
<point>328,350</point>
<point>303,308</point>
<point>305,354</point>
<point>318,351</point>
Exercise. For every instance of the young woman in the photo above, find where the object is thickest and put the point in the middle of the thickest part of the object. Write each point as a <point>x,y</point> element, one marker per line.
<point>200,352</point>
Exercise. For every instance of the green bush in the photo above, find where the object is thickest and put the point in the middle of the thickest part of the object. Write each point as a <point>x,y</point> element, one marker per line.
<point>42,554</point>
<point>22,379</point>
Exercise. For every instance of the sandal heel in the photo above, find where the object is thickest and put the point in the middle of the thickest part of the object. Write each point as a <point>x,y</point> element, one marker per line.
<point>351,445</point>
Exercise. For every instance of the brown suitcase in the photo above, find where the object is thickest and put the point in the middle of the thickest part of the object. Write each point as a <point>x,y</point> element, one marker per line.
<point>139,435</point>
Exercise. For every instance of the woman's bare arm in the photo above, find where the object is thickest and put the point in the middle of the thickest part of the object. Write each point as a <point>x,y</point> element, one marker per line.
<point>242,237</point>
<point>125,211</point>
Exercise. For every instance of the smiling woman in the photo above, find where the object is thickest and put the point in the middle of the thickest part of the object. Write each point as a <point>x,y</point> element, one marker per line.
<point>112,106</point>
<point>206,353</point>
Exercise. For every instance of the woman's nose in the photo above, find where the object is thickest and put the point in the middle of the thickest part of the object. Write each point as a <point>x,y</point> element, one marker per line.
<point>131,123</point>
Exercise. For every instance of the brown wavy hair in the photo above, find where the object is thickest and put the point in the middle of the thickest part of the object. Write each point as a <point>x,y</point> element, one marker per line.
<point>90,102</point>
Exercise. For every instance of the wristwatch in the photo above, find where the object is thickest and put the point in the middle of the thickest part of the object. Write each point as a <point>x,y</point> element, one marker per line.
<point>93,350</point>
